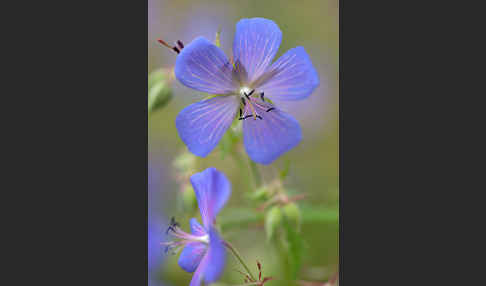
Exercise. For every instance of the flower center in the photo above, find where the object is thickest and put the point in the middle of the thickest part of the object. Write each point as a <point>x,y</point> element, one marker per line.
<point>244,91</point>
<point>253,104</point>
<point>182,238</point>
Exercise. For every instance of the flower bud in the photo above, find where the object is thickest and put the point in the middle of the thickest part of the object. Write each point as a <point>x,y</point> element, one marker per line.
<point>292,212</point>
<point>259,194</point>
<point>273,219</point>
<point>159,89</point>
<point>185,162</point>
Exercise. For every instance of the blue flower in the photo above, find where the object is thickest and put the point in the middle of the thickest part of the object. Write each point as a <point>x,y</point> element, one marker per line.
<point>246,83</point>
<point>203,252</point>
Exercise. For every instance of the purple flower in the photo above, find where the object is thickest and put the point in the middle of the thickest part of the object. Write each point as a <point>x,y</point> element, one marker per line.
<point>246,84</point>
<point>203,252</point>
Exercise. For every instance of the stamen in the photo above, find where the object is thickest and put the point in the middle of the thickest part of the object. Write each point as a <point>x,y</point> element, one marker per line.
<point>247,96</point>
<point>258,116</point>
<point>240,112</point>
<point>262,95</point>
<point>180,44</point>
<point>251,92</point>
<point>270,109</point>
<point>243,100</point>
<point>175,49</point>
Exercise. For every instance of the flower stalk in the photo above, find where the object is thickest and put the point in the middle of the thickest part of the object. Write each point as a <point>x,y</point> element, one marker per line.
<point>238,257</point>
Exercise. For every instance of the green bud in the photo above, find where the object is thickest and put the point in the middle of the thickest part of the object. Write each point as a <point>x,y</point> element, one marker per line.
<point>292,213</point>
<point>259,194</point>
<point>185,162</point>
<point>273,219</point>
<point>159,89</point>
<point>189,198</point>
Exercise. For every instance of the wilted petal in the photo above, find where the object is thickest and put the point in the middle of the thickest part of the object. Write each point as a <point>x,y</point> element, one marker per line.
<point>191,256</point>
<point>201,125</point>
<point>203,66</point>
<point>265,140</point>
<point>196,228</point>
<point>216,257</point>
<point>291,77</point>
<point>212,191</point>
<point>255,44</point>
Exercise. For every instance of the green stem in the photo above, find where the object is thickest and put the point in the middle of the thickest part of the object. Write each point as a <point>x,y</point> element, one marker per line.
<point>255,173</point>
<point>238,257</point>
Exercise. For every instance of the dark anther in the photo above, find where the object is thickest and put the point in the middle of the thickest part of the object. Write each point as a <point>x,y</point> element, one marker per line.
<point>258,116</point>
<point>247,96</point>
<point>251,92</point>
<point>169,228</point>
<point>180,44</point>
<point>241,113</point>
<point>270,109</point>
<point>243,100</point>
<point>166,249</point>
<point>262,95</point>
<point>175,49</point>
<point>247,116</point>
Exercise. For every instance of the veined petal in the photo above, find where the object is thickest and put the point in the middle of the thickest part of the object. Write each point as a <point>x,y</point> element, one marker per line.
<point>201,125</point>
<point>216,257</point>
<point>191,256</point>
<point>265,140</point>
<point>196,228</point>
<point>291,77</point>
<point>212,189</point>
<point>203,66</point>
<point>255,44</point>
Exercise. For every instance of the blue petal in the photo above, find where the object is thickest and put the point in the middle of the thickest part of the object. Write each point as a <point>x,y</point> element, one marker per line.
<point>216,257</point>
<point>191,256</point>
<point>265,140</point>
<point>212,190</point>
<point>201,125</point>
<point>203,66</point>
<point>255,44</point>
<point>291,77</point>
<point>196,228</point>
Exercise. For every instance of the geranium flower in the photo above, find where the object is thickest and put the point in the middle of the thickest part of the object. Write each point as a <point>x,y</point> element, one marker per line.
<point>203,252</point>
<point>244,84</point>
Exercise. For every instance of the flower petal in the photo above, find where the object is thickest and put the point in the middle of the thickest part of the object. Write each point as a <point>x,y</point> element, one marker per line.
<point>291,77</point>
<point>203,66</point>
<point>255,44</point>
<point>212,191</point>
<point>196,228</point>
<point>265,140</point>
<point>216,257</point>
<point>192,255</point>
<point>201,125</point>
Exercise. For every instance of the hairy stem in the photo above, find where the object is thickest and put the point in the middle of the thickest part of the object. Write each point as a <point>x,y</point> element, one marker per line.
<point>238,257</point>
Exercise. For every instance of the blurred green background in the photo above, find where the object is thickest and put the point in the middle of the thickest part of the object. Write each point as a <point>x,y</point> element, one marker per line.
<point>313,163</point>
